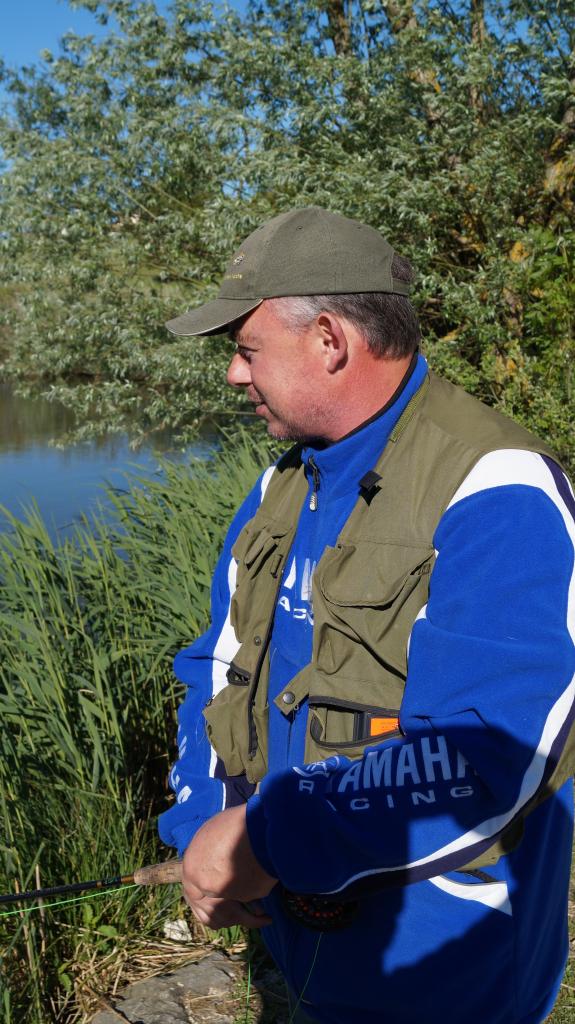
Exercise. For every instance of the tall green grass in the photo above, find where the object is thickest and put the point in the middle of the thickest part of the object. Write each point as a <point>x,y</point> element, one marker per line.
<point>88,630</point>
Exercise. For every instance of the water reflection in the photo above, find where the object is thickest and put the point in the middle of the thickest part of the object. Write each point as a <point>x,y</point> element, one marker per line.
<point>28,421</point>
<point>64,483</point>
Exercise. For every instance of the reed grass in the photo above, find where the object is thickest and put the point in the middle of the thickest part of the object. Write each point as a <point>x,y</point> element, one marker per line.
<point>88,631</point>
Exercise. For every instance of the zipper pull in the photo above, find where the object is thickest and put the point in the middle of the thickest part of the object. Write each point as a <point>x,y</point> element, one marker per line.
<point>315,473</point>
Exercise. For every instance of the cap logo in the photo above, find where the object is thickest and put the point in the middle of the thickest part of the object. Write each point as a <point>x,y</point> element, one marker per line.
<point>287,255</point>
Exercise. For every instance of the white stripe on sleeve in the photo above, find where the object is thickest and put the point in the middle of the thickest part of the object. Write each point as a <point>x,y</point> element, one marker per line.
<point>501,469</point>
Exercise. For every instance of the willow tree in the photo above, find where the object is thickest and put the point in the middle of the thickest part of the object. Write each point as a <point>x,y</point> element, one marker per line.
<point>135,163</point>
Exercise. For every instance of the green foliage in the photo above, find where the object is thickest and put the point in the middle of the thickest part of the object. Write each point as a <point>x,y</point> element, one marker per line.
<point>135,164</point>
<point>88,631</point>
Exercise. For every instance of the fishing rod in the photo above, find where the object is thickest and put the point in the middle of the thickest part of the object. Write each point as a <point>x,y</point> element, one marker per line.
<point>153,874</point>
<point>314,912</point>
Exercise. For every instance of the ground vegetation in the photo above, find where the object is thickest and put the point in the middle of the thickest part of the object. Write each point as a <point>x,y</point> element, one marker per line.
<point>88,631</point>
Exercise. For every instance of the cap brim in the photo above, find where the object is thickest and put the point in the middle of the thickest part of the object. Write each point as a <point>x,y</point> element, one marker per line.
<point>213,317</point>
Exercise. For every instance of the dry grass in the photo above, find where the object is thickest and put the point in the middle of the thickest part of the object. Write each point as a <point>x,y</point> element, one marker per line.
<point>258,995</point>
<point>99,979</point>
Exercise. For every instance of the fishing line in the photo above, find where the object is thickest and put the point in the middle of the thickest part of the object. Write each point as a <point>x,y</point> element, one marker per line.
<point>62,903</point>
<point>133,885</point>
<point>307,980</point>
<point>248,993</point>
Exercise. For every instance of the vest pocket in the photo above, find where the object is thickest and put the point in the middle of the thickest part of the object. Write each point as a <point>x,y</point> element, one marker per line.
<point>223,716</point>
<point>337,725</point>
<point>236,728</point>
<point>348,718</point>
<point>259,552</point>
<point>366,598</point>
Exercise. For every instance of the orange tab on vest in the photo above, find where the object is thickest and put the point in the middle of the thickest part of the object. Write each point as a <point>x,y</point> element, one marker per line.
<point>378,726</point>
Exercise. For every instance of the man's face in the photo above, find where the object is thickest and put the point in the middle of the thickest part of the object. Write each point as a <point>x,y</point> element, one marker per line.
<point>281,372</point>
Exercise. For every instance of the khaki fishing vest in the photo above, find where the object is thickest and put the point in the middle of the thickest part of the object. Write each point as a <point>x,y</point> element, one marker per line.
<point>367,590</point>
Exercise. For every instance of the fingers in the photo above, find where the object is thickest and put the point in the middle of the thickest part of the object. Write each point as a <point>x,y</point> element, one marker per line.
<point>255,907</point>
<point>220,862</point>
<point>219,913</point>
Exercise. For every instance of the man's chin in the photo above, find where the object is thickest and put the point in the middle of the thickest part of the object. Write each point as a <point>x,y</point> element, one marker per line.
<point>280,432</point>
<point>285,432</point>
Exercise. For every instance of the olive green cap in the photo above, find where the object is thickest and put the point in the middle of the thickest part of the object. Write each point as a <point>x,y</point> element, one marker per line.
<point>303,252</point>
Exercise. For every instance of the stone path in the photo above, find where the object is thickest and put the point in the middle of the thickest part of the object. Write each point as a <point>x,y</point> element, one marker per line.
<point>209,991</point>
<point>199,992</point>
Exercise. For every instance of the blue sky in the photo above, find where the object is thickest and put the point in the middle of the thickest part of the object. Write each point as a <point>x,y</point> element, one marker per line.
<point>29,26</point>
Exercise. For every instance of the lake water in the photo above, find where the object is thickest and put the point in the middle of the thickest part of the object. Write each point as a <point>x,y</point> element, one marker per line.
<point>66,482</point>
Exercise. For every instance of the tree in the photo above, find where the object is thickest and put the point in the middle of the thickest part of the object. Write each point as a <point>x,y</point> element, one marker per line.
<point>135,164</point>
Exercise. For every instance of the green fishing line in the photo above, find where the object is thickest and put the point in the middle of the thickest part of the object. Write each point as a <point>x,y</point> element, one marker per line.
<point>248,993</point>
<point>133,885</point>
<point>62,903</point>
<point>307,980</point>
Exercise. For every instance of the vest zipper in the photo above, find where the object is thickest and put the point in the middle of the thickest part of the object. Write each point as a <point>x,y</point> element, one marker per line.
<point>316,480</point>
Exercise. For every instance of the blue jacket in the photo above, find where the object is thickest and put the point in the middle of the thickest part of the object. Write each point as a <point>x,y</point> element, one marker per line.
<point>489,697</point>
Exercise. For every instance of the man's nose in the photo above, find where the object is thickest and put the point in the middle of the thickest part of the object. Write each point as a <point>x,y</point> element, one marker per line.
<point>238,374</point>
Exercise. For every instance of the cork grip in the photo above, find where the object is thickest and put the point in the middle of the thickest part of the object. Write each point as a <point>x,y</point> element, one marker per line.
<point>169,872</point>
<point>159,874</point>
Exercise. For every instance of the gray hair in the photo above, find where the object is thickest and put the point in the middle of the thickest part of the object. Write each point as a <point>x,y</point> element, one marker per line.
<point>387,321</point>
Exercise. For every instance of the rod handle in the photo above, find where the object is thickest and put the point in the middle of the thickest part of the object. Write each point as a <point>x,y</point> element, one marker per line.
<point>166,873</point>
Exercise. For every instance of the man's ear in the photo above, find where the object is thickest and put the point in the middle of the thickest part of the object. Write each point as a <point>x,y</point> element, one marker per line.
<point>334,342</point>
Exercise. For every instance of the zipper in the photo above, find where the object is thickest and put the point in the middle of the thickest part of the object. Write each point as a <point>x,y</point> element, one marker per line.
<point>315,700</point>
<point>316,480</point>
<point>237,676</point>
<point>316,733</point>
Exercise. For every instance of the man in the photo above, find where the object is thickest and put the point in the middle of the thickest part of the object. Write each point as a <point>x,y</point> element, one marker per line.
<point>390,661</point>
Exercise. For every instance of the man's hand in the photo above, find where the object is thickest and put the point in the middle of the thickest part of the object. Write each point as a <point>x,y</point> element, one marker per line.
<point>224,913</point>
<point>221,875</point>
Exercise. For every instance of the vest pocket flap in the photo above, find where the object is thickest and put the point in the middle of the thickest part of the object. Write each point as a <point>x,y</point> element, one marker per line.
<point>294,693</point>
<point>256,545</point>
<point>372,575</point>
<point>260,551</point>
